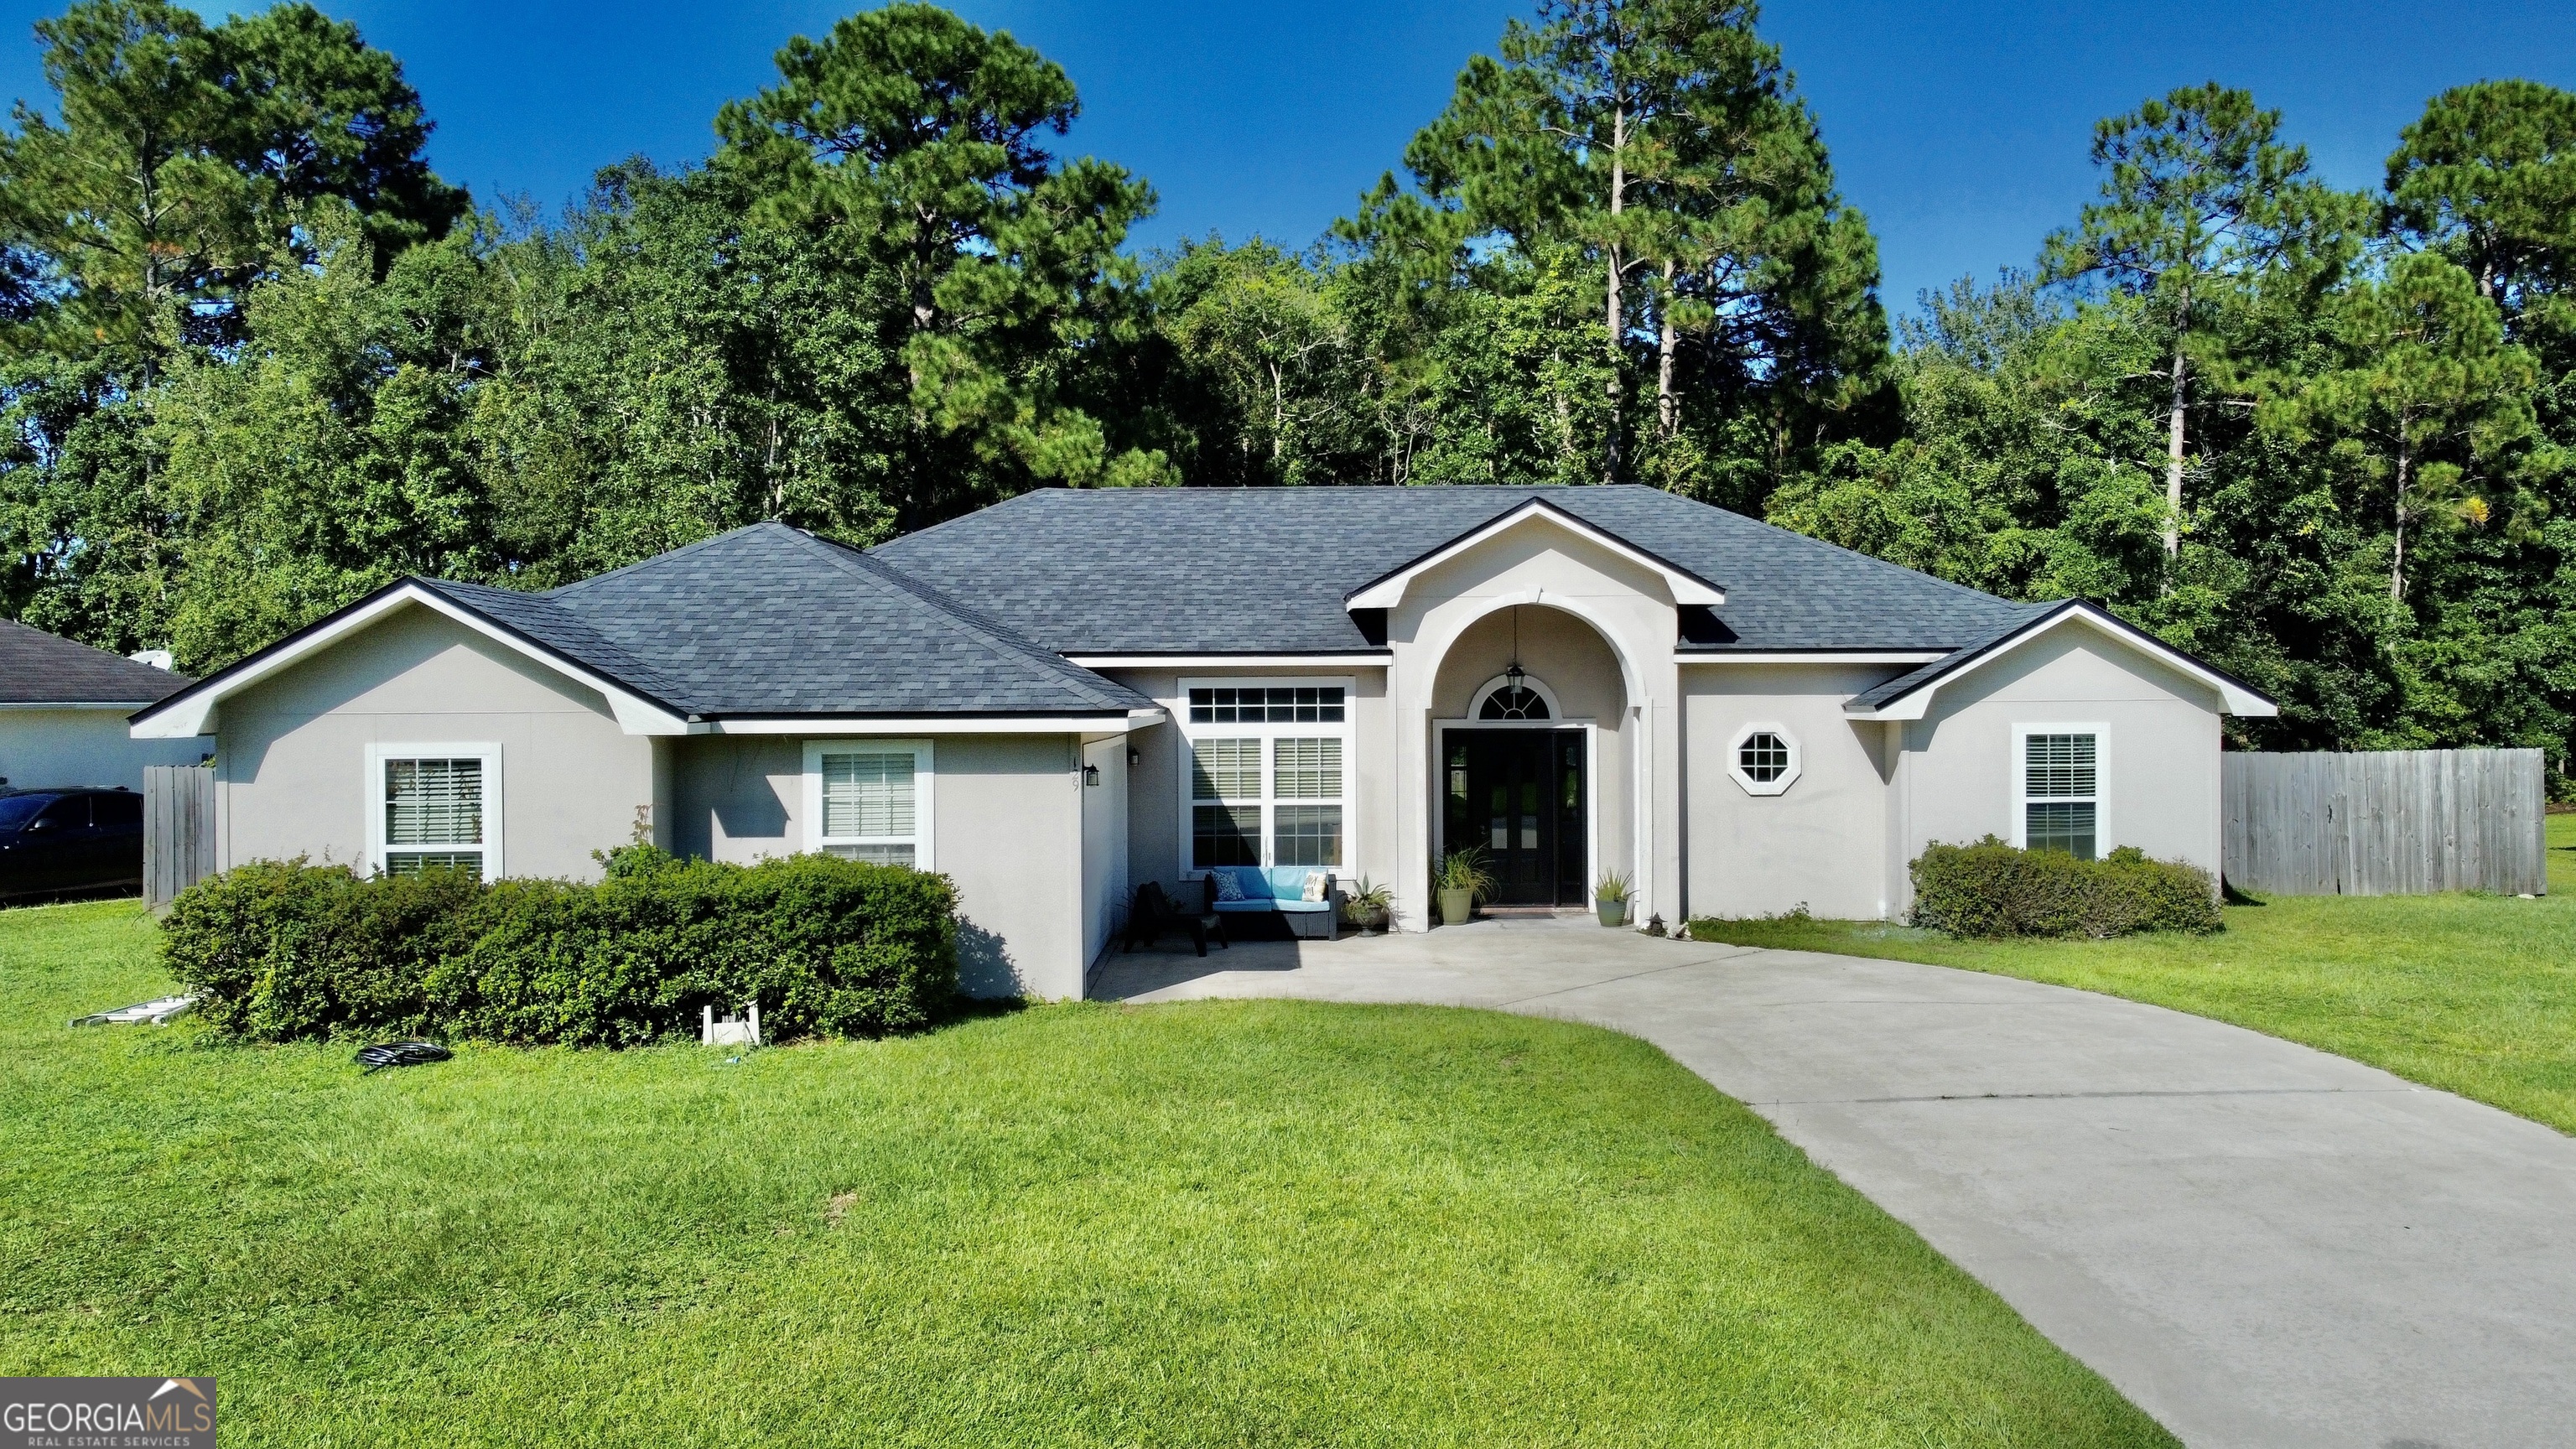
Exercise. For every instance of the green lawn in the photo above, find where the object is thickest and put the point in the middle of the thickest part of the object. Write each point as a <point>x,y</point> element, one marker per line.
<point>2473,994</point>
<point>1219,1224</point>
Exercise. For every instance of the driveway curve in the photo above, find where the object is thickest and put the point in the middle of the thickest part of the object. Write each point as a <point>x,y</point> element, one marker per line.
<point>2260,1244</point>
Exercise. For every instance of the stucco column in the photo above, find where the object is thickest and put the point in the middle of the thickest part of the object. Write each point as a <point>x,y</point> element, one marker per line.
<point>1411,875</point>
<point>1663,865</point>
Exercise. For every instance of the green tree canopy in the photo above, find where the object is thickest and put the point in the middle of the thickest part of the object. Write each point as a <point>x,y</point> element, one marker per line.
<point>2431,397</point>
<point>1665,142</point>
<point>2199,198</point>
<point>2488,175</point>
<point>184,161</point>
<point>912,141</point>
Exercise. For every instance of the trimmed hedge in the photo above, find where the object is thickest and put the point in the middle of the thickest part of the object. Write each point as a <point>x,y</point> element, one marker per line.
<point>1991,889</point>
<point>284,951</point>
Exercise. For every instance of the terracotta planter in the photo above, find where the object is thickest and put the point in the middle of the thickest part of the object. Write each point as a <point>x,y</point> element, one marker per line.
<point>1613,913</point>
<point>1456,907</point>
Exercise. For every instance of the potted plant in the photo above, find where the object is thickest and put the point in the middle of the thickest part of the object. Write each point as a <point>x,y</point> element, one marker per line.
<point>1368,905</point>
<point>1461,878</point>
<point>1610,898</point>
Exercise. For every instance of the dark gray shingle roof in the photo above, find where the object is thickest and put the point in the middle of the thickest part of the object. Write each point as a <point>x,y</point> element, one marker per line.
<point>1141,571</point>
<point>1959,658</point>
<point>767,620</point>
<point>41,668</point>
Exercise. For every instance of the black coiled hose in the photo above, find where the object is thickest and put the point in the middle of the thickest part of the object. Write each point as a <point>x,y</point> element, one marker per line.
<point>401,1054</point>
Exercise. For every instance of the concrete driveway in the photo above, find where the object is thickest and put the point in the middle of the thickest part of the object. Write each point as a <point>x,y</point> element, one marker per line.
<point>2260,1244</point>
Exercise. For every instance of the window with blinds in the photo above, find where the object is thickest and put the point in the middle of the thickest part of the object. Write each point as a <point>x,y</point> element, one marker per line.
<point>867,802</point>
<point>433,815</point>
<point>2061,803</point>
<point>1306,769</point>
<point>1225,770</point>
<point>1267,774</point>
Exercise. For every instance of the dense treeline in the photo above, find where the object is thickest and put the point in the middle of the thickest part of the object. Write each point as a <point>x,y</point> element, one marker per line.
<point>256,358</point>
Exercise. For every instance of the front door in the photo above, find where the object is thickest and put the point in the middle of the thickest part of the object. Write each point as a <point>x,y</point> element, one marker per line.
<point>1519,794</point>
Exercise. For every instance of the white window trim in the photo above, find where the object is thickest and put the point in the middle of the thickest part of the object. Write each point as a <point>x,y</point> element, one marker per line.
<point>1735,758</point>
<point>1529,681</point>
<point>924,778</point>
<point>2020,763</point>
<point>1267,731</point>
<point>488,752</point>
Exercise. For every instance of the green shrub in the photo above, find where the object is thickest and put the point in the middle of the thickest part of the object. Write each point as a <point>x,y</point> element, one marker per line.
<point>1991,889</point>
<point>281,951</point>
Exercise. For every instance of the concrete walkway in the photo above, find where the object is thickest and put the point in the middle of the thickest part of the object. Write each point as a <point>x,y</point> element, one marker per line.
<point>2259,1244</point>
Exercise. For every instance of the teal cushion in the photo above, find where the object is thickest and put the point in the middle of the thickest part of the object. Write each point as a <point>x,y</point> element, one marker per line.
<point>1288,882</point>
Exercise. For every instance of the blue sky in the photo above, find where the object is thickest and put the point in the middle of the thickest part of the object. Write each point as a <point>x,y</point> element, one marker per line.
<point>1960,129</point>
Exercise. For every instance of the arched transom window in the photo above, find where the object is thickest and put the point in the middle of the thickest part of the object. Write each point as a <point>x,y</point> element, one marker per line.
<point>1513,701</point>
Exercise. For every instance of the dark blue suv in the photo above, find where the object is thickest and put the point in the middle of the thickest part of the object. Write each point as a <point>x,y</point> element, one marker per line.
<point>70,842</point>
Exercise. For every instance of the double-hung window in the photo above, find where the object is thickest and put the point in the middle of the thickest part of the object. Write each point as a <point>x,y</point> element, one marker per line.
<point>432,806</point>
<point>2057,787</point>
<point>1267,773</point>
<point>869,800</point>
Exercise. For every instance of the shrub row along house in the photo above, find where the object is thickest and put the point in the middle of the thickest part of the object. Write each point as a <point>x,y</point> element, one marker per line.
<point>1074,692</point>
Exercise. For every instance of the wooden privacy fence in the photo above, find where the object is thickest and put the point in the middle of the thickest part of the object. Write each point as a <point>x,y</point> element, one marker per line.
<point>178,830</point>
<point>2385,822</point>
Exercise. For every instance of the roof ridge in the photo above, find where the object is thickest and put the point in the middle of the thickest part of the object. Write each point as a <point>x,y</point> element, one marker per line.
<point>660,558</point>
<point>993,634</point>
<point>1951,584</point>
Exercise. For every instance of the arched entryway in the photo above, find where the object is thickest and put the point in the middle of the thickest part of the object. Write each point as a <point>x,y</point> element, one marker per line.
<point>1526,725</point>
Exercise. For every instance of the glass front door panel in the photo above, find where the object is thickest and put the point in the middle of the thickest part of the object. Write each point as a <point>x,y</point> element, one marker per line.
<point>1519,794</point>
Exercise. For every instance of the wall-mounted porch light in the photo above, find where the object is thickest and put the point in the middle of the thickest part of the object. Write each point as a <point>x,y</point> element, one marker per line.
<point>1091,774</point>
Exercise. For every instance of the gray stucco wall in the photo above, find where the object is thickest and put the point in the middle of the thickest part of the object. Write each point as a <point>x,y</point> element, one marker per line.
<point>2159,775</point>
<point>1822,842</point>
<point>82,747</point>
<point>1006,826</point>
<point>1104,845</point>
<point>291,766</point>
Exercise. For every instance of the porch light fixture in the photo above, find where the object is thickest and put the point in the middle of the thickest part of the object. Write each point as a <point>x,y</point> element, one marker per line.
<point>1091,774</point>
<point>1513,676</point>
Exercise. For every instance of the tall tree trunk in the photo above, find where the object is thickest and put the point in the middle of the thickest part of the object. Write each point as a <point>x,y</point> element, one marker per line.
<point>1278,415</point>
<point>2397,555</point>
<point>1615,309</point>
<point>1668,405</point>
<point>2173,466</point>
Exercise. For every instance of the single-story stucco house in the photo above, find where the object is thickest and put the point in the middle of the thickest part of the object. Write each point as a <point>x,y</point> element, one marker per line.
<point>1074,692</point>
<point>62,713</point>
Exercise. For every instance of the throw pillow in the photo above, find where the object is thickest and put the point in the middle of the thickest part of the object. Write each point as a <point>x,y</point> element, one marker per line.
<point>1315,885</point>
<point>1227,887</point>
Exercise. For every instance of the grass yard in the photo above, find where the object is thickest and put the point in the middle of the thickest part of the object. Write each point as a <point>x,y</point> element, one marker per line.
<point>2472,994</point>
<point>1221,1224</point>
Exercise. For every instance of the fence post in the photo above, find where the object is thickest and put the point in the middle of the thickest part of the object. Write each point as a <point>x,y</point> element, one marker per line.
<point>178,830</point>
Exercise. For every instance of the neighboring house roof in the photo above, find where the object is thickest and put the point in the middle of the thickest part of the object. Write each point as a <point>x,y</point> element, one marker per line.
<point>1909,695</point>
<point>1270,570</point>
<point>39,669</point>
